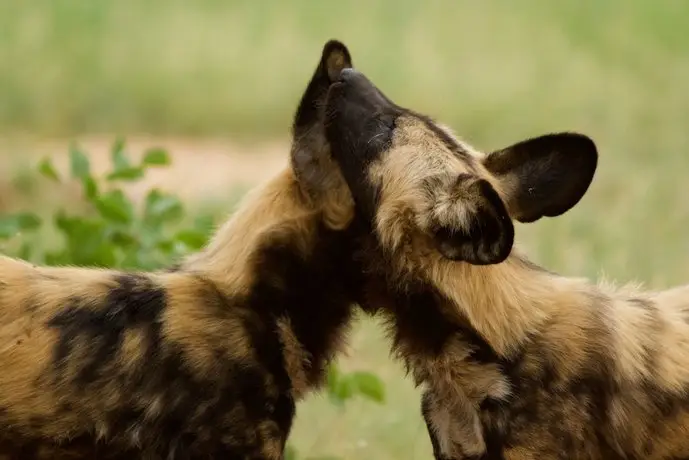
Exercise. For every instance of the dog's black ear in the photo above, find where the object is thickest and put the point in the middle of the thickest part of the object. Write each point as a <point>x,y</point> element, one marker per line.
<point>544,176</point>
<point>334,57</point>
<point>317,174</point>
<point>310,156</point>
<point>474,226</point>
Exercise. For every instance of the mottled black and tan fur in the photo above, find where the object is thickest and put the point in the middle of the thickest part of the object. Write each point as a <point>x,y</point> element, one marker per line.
<point>517,362</point>
<point>203,361</point>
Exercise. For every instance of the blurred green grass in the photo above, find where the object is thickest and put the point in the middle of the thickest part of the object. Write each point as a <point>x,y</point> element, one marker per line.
<point>238,66</point>
<point>496,71</point>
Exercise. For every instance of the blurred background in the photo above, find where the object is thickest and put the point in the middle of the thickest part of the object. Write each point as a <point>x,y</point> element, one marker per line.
<point>216,82</point>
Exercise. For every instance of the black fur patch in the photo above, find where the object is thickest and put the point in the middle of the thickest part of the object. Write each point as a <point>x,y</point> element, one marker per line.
<point>134,303</point>
<point>316,295</point>
<point>554,172</point>
<point>308,113</point>
<point>189,404</point>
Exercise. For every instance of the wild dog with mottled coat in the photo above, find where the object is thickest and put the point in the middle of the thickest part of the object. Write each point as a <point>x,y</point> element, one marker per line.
<point>517,362</point>
<point>205,360</point>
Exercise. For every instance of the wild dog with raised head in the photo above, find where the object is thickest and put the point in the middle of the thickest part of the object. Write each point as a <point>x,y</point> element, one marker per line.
<point>518,362</point>
<point>203,361</point>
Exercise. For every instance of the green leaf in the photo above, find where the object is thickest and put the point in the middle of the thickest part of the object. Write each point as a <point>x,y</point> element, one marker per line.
<point>47,169</point>
<point>368,385</point>
<point>75,227</point>
<point>90,188</point>
<point>156,157</point>
<point>161,208</point>
<point>8,228</point>
<point>129,173</point>
<point>62,221</point>
<point>167,246</point>
<point>79,163</point>
<point>194,239</point>
<point>122,168</point>
<point>104,256</point>
<point>132,261</point>
<point>12,224</point>
<point>343,390</point>
<point>87,242</point>
<point>117,155</point>
<point>28,221</point>
<point>114,206</point>
<point>123,239</point>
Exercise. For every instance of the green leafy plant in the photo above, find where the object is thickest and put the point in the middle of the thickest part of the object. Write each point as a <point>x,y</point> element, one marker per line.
<point>113,231</point>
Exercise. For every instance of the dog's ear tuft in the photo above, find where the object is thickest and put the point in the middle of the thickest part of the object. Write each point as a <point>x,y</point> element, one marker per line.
<point>335,57</point>
<point>475,226</point>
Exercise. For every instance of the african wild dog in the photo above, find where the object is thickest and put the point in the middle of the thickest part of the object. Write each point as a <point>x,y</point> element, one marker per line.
<point>203,361</point>
<point>518,362</point>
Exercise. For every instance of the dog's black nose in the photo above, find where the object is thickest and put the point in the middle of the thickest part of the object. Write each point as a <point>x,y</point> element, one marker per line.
<point>347,74</point>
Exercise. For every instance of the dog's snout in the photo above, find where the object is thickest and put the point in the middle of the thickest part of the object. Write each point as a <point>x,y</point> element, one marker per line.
<point>347,74</point>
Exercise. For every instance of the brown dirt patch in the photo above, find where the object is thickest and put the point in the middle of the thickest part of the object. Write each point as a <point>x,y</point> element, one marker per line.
<point>201,168</point>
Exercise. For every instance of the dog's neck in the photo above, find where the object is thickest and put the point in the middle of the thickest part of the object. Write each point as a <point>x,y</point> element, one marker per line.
<point>508,302</point>
<point>278,204</point>
<point>279,256</point>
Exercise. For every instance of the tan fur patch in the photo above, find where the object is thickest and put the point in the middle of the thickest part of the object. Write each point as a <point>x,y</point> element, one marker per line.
<point>201,330</point>
<point>296,359</point>
<point>231,248</point>
<point>456,423</point>
<point>277,203</point>
<point>671,369</point>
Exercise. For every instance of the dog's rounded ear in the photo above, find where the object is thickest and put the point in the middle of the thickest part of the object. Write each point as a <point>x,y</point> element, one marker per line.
<point>476,227</point>
<point>335,57</point>
<point>545,175</point>
<point>317,174</point>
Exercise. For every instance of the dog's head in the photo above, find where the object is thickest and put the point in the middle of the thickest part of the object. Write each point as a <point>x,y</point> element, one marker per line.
<point>416,183</point>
